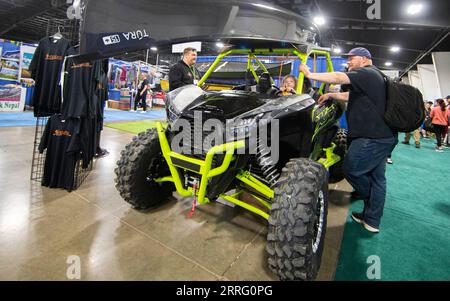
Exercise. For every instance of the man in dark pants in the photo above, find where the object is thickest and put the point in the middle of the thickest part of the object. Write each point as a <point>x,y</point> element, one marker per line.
<point>141,95</point>
<point>371,139</point>
<point>184,72</point>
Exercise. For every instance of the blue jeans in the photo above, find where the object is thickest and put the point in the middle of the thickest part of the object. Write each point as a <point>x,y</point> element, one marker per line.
<point>365,169</point>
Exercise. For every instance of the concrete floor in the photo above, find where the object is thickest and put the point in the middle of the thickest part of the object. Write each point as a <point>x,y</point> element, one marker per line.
<point>40,228</point>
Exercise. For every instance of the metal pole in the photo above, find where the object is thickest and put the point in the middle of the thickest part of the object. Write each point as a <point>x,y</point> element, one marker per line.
<point>146,57</point>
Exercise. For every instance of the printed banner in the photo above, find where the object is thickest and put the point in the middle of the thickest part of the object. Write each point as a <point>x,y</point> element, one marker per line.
<point>11,97</point>
<point>27,53</point>
<point>9,60</point>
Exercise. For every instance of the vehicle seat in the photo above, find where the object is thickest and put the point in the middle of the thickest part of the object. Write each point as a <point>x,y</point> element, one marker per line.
<point>264,83</point>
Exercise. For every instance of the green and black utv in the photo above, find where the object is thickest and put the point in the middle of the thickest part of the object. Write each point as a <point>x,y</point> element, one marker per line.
<point>291,187</point>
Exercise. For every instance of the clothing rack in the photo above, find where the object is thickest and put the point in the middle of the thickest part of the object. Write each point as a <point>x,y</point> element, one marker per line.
<point>70,30</point>
<point>38,161</point>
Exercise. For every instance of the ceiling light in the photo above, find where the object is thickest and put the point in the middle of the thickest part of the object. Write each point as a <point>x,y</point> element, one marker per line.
<point>337,50</point>
<point>414,9</point>
<point>388,64</point>
<point>220,45</point>
<point>320,20</point>
<point>395,49</point>
<point>154,49</point>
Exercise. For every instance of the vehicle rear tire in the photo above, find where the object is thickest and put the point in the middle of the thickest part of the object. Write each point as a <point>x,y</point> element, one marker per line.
<point>141,161</point>
<point>337,170</point>
<point>298,221</point>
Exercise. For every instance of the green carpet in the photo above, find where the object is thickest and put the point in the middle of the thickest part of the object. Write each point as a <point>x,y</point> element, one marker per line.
<point>134,127</point>
<point>414,243</point>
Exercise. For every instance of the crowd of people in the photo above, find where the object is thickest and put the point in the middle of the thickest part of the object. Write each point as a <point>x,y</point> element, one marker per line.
<point>436,125</point>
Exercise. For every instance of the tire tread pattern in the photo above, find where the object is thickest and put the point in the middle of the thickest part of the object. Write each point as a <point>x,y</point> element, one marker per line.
<point>132,168</point>
<point>292,221</point>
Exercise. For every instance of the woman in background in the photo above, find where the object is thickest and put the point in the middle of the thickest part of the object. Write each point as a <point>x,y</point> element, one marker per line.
<point>447,134</point>
<point>439,116</point>
<point>428,107</point>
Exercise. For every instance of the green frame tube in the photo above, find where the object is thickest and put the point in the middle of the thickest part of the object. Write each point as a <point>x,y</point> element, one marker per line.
<point>205,166</point>
<point>286,51</point>
<point>250,67</point>
<point>206,173</point>
<point>246,206</point>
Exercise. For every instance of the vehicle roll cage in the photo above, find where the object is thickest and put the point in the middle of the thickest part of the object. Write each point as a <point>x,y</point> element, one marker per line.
<point>252,56</point>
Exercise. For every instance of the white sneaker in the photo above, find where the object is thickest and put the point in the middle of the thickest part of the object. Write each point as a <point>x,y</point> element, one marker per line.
<point>370,228</point>
<point>389,161</point>
<point>439,149</point>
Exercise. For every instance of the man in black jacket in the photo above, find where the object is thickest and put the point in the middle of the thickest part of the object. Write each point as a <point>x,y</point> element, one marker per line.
<point>141,95</point>
<point>184,72</point>
<point>371,138</point>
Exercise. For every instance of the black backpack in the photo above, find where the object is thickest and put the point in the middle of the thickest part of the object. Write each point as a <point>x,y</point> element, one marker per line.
<point>405,109</point>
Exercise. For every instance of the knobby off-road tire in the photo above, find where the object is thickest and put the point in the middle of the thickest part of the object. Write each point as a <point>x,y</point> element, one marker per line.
<point>298,221</point>
<point>337,170</point>
<point>141,158</point>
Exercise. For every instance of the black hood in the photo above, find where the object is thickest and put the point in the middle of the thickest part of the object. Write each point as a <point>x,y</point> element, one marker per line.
<point>227,105</point>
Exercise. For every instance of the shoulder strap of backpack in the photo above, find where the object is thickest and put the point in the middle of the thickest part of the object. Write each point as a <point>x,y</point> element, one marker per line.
<point>385,77</point>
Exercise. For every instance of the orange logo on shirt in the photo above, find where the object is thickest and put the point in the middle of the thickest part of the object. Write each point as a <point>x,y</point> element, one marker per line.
<point>60,133</point>
<point>49,57</point>
<point>84,65</point>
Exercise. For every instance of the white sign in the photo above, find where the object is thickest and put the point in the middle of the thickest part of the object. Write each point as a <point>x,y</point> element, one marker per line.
<point>12,98</point>
<point>109,40</point>
<point>391,73</point>
<point>179,48</point>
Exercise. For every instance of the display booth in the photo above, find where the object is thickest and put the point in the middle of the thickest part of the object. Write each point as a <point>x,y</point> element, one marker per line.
<point>15,78</point>
<point>125,77</point>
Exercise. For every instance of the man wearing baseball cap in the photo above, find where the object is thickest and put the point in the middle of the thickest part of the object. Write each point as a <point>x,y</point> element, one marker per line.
<point>371,139</point>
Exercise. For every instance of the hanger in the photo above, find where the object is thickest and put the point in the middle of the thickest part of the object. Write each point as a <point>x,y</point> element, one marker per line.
<point>57,36</point>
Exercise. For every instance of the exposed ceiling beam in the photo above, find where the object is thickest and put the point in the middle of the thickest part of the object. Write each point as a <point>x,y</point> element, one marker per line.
<point>376,45</point>
<point>393,23</point>
<point>435,44</point>
<point>22,15</point>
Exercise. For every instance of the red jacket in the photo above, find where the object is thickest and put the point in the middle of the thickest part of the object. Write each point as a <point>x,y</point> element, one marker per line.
<point>440,117</point>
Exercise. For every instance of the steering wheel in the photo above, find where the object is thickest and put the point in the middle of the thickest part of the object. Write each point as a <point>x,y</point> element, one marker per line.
<point>274,90</point>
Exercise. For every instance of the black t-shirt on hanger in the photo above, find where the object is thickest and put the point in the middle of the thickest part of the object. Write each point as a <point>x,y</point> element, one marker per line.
<point>79,87</point>
<point>45,68</point>
<point>61,138</point>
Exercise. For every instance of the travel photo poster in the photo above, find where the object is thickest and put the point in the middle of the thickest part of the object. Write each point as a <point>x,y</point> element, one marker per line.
<point>27,53</point>
<point>9,60</point>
